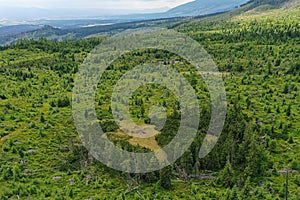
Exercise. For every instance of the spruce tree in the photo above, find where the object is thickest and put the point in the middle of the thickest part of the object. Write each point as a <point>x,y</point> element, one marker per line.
<point>227,178</point>
<point>165,178</point>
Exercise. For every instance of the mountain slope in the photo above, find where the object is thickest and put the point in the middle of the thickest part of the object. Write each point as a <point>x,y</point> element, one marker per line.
<point>252,9</point>
<point>202,7</point>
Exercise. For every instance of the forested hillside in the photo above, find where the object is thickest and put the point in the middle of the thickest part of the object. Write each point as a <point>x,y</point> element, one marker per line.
<point>257,51</point>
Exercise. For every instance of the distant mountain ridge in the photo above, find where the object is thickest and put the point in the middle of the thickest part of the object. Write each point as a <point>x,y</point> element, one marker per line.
<point>53,33</point>
<point>202,7</point>
<point>15,29</point>
<point>195,8</point>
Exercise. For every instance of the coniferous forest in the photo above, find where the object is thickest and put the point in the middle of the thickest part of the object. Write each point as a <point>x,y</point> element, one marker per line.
<point>257,50</point>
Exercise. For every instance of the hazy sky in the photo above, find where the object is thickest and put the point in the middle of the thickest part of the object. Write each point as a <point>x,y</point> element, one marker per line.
<point>103,4</point>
